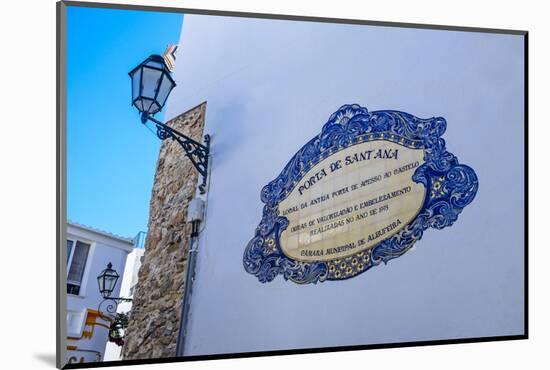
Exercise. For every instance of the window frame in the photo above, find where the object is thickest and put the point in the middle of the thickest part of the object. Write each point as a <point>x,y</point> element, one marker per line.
<point>82,285</point>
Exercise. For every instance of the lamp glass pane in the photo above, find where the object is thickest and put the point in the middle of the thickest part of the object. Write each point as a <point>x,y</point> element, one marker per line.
<point>101,282</point>
<point>110,282</point>
<point>139,105</point>
<point>146,104</point>
<point>135,83</point>
<point>165,88</point>
<point>150,82</point>
<point>154,108</point>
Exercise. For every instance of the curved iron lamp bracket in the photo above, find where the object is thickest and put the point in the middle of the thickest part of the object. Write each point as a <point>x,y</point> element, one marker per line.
<point>198,153</point>
<point>110,308</point>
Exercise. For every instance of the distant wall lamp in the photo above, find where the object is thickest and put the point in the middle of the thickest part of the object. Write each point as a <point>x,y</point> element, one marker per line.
<point>106,281</point>
<point>151,86</point>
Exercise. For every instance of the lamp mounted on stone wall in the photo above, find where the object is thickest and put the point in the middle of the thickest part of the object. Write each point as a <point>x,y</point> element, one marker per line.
<point>151,86</point>
<point>106,281</point>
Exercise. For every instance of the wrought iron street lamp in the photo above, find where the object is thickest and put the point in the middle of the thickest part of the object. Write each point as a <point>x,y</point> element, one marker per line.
<point>106,281</point>
<point>151,85</point>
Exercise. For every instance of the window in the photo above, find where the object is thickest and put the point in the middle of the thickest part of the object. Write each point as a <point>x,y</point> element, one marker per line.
<point>77,253</point>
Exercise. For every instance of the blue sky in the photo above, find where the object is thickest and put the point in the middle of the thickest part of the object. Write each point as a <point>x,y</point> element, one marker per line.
<point>111,157</point>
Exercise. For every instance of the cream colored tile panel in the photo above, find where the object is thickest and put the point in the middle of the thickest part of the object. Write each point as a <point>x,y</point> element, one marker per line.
<point>351,201</point>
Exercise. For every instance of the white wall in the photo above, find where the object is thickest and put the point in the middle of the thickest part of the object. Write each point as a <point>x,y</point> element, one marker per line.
<point>129,279</point>
<point>104,249</point>
<point>270,86</point>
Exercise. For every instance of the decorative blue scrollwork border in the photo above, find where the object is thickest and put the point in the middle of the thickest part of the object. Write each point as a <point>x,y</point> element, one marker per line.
<point>450,187</point>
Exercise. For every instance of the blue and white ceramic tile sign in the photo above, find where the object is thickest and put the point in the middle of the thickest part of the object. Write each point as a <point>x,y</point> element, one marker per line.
<point>360,193</point>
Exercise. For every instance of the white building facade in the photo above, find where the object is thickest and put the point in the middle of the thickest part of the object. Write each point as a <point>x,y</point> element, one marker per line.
<point>127,288</point>
<point>270,86</point>
<point>88,252</point>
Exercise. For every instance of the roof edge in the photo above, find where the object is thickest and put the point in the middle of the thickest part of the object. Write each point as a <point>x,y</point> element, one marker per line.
<point>101,232</point>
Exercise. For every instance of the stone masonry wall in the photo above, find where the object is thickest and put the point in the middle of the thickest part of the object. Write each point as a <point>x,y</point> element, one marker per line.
<point>154,321</point>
